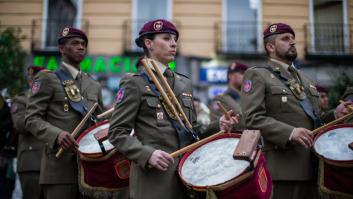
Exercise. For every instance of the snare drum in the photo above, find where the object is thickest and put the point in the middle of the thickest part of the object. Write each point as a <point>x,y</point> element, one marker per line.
<point>336,160</point>
<point>103,172</point>
<point>212,167</point>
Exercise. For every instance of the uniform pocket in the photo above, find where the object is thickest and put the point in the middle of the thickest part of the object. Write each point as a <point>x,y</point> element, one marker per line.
<point>278,99</point>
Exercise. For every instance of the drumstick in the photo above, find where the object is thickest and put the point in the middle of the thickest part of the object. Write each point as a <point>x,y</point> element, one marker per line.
<point>105,113</point>
<point>318,130</point>
<point>224,110</point>
<point>78,127</point>
<point>194,145</point>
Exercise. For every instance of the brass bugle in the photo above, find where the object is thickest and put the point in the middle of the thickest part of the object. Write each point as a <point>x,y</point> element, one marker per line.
<point>161,90</point>
<point>171,94</point>
<point>78,127</point>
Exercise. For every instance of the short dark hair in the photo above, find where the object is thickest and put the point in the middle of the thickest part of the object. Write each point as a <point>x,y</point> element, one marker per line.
<point>269,39</point>
<point>150,37</point>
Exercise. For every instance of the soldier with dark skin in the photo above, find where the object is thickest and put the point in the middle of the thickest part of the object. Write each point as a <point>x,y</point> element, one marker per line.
<point>230,99</point>
<point>51,117</point>
<point>283,104</point>
<point>29,148</point>
<point>138,107</point>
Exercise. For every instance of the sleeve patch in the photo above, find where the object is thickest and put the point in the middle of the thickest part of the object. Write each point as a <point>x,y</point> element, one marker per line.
<point>247,86</point>
<point>120,95</point>
<point>35,87</point>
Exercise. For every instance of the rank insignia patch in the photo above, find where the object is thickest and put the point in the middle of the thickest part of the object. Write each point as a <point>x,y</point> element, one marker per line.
<point>120,95</point>
<point>247,85</point>
<point>35,87</point>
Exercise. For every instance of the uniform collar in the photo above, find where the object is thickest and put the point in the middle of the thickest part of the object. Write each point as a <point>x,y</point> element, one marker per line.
<point>161,66</point>
<point>72,70</point>
<point>282,64</point>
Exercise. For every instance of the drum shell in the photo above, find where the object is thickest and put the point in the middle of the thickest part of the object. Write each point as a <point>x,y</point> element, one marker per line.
<point>251,184</point>
<point>335,176</point>
<point>339,163</point>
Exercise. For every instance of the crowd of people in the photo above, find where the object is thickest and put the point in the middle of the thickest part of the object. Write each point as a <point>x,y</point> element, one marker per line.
<point>275,98</point>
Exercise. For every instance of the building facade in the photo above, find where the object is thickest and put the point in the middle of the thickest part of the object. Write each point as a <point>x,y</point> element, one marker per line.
<point>213,33</point>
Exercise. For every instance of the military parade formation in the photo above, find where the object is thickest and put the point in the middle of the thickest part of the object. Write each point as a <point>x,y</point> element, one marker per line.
<point>270,134</point>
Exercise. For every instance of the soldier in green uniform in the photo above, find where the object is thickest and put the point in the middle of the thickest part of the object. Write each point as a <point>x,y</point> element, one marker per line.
<point>283,104</point>
<point>348,96</point>
<point>231,97</point>
<point>29,148</point>
<point>57,103</point>
<point>138,106</point>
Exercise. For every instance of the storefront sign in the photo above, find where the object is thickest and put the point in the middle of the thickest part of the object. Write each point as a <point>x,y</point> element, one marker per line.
<point>96,64</point>
<point>213,75</point>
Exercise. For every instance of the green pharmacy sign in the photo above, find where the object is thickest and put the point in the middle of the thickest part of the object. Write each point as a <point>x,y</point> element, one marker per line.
<point>96,64</point>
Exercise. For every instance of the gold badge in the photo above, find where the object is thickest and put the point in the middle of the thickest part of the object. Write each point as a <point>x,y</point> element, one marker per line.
<point>297,89</point>
<point>158,25</point>
<point>273,28</point>
<point>65,32</point>
<point>66,107</point>
<point>72,91</point>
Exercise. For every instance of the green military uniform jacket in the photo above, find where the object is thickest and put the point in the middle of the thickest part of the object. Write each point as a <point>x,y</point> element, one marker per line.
<point>139,108</point>
<point>46,118</point>
<point>29,149</point>
<point>270,106</point>
<point>230,103</point>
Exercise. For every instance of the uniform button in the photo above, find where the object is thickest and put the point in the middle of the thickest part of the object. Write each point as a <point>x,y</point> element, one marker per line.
<point>158,105</point>
<point>284,90</point>
<point>65,98</point>
<point>30,148</point>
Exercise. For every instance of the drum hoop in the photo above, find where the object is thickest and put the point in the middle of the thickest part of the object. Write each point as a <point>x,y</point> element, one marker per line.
<point>98,158</point>
<point>84,133</point>
<point>220,186</point>
<point>343,163</point>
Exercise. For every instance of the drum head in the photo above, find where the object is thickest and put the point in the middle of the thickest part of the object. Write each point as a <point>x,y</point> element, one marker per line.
<point>212,163</point>
<point>333,144</point>
<point>88,144</point>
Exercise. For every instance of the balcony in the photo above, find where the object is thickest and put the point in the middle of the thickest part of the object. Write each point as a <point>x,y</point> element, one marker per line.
<point>239,39</point>
<point>44,37</point>
<point>325,40</point>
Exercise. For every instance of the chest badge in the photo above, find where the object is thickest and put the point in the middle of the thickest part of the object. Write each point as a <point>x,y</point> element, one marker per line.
<point>72,91</point>
<point>297,89</point>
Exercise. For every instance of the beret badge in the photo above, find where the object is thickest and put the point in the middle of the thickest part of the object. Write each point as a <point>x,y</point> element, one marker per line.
<point>65,32</point>
<point>273,28</point>
<point>158,25</point>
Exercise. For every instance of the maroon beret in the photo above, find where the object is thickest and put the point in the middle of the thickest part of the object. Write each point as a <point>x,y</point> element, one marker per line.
<point>278,28</point>
<point>237,67</point>
<point>70,32</point>
<point>321,89</point>
<point>156,27</point>
<point>33,70</point>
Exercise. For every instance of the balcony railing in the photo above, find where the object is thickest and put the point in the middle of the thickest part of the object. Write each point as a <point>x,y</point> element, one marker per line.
<point>328,39</point>
<point>44,37</point>
<point>238,38</point>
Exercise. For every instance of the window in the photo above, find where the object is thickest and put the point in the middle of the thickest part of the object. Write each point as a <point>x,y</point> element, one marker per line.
<point>329,29</point>
<point>57,15</point>
<point>144,11</point>
<point>241,26</point>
